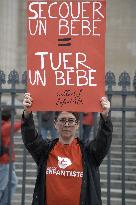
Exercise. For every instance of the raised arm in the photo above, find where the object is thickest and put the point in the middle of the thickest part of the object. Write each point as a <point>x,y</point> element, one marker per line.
<point>99,147</point>
<point>33,142</point>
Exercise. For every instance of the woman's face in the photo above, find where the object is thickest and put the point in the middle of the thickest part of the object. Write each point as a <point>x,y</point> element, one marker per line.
<point>66,125</point>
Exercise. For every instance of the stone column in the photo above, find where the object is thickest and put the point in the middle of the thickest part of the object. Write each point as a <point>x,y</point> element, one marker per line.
<point>8,35</point>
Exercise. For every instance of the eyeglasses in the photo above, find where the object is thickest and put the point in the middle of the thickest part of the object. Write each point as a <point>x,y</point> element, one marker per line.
<point>71,121</point>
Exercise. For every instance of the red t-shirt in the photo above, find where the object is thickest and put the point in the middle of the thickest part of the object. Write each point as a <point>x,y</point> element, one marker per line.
<point>64,174</point>
<point>6,138</point>
<point>88,119</point>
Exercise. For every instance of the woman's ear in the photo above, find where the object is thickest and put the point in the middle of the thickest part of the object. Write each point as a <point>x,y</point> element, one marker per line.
<point>78,124</point>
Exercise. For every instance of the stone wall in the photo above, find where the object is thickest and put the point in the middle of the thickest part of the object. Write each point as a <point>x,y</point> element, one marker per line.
<point>120,35</point>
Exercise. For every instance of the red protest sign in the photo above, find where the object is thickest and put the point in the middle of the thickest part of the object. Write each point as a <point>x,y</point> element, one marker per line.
<point>66,54</point>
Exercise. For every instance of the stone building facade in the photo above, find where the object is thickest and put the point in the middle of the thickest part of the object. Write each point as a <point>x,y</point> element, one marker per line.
<point>120,36</point>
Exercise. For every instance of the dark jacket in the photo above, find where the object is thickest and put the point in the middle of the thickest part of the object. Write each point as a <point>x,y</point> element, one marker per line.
<point>92,155</point>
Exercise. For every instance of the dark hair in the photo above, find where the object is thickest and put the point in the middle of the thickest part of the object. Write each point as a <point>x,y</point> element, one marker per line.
<point>6,113</point>
<point>76,114</point>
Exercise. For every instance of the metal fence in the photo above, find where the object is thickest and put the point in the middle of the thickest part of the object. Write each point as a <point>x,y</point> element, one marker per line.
<point>10,86</point>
